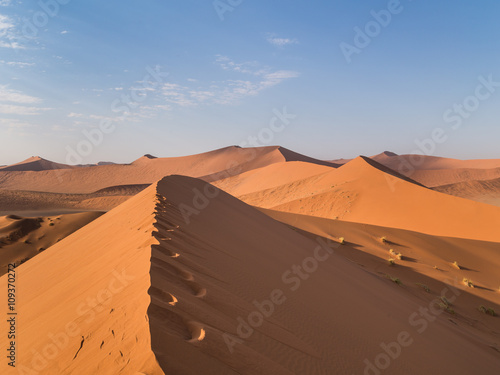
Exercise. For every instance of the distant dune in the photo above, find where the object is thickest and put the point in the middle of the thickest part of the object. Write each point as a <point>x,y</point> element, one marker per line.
<point>433,171</point>
<point>36,164</point>
<point>487,191</point>
<point>147,170</point>
<point>174,296</point>
<point>367,192</point>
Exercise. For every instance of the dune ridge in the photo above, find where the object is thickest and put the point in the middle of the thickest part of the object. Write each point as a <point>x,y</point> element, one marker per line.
<point>159,284</point>
<point>210,166</point>
<point>366,192</point>
<point>36,164</point>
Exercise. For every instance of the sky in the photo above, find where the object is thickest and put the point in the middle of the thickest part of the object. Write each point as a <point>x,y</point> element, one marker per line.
<point>88,81</point>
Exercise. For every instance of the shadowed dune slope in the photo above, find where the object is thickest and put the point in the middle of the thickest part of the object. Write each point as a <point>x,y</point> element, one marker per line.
<point>433,171</point>
<point>181,264</point>
<point>482,191</point>
<point>362,191</point>
<point>421,162</point>
<point>102,200</point>
<point>439,177</point>
<point>146,170</point>
<point>21,238</point>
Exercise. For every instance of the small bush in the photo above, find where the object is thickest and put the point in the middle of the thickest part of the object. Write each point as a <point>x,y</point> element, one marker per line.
<point>424,287</point>
<point>396,254</point>
<point>342,240</point>
<point>487,310</point>
<point>383,239</point>
<point>394,279</point>
<point>51,224</point>
<point>455,264</point>
<point>468,283</point>
<point>445,301</point>
<point>446,308</point>
<point>392,262</point>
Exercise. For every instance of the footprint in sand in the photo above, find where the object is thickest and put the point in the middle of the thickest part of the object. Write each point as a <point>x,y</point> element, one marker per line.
<point>197,331</point>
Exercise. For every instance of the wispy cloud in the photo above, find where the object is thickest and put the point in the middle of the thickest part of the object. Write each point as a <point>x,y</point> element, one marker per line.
<point>13,102</point>
<point>8,95</point>
<point>11,109</point>
<point>257,79</point>
<point>280,42</point>
<point>7,33</point>
<point>4,3</point>
<point>64,32</point>
<point>19,64</point>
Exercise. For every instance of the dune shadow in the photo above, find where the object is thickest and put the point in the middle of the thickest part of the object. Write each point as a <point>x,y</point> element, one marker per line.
<point>483,288</point>
<point>388,242</point>
<point>408,259</point>
<point>468,269</point>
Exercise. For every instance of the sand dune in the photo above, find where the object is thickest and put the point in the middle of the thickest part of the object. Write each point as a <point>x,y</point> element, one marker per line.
<point>165,293</point>
<point>421,254</point>
<point>439,177</point>
<point>21,238</point>
<point>366,192</point>
<point>433,171</point>
<point>35,163</point>
<point>271,176</point>
<point>418,162</point>
<point>101,200</point>
<point>398,162</point>
<point>482,191</point>
<point>212,165</point>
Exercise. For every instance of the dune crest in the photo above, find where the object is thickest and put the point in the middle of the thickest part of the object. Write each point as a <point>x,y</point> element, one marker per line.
<point>117,301</point>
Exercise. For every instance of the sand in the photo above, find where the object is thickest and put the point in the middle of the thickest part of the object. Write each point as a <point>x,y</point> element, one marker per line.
<point>367,192</point>
<point>211,166</point>
<point>170,287</point>
<point>21,238</point>
<point>280,267</point>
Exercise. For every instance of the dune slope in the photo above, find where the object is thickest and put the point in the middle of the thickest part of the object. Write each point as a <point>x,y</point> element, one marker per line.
<point>366,192</point>
<point>162,284</point>
<point>35,163</point>
<point>210,166</point>
<point>21,238</point>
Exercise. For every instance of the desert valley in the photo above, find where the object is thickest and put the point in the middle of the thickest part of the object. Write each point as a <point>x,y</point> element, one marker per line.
<point>252,261</point>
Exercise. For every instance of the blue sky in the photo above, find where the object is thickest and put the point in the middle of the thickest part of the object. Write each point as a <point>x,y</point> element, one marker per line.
<point>224,68</point>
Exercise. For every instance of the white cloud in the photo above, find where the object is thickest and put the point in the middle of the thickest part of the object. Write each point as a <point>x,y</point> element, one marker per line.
<point>250,67</point>
<point>5,24</point>
<point>19,64</point>
<point>281,42</point>
<point>13,102</point>
<point>7,35</point>
<point>64,32</point>
<point>258,79</point>
<point>75,115</point>
<point>4,3</point>
<point>8,95</point>
<point>10,109</point>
